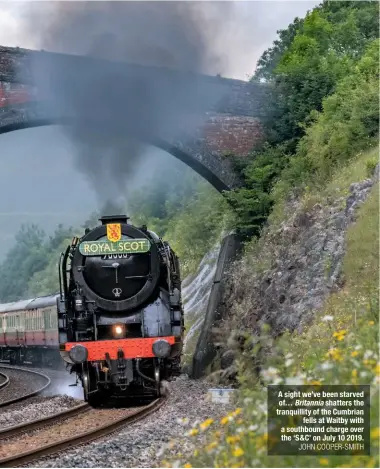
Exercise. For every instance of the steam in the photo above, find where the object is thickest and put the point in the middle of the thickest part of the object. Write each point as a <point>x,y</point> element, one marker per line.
<point>116,109</point>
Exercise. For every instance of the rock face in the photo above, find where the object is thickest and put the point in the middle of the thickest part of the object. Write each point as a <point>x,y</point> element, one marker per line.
<point>296,267</point>
<point>195,295</point>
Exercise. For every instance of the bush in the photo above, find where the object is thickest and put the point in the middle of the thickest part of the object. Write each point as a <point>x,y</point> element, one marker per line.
<point>348,123</point>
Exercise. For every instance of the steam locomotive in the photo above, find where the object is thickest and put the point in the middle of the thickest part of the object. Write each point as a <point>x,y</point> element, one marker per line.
<point>120,316</point>
<point>117,321</point>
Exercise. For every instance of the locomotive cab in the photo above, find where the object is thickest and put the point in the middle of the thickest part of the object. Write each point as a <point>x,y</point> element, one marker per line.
<point>120,315</point>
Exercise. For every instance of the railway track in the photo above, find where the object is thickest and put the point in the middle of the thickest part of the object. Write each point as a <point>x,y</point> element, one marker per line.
<point>4,380</point>
<point>21,384</point>
<point>54,434</point>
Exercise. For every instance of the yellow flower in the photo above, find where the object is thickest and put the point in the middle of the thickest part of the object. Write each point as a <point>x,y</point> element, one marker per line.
<point>377,369</point>
<point>375,433</point>
<point>261,440</point>
<point>354,375</point>
<point>193,432</point>
<point>335,354</point>
<point>211,446</point>
<point>369,363</point>
<point>240,421</point>
<point>315,383</point>
<point>355,353</point>
<point>204,425</point>
<point>324,461</point>
<point>217,434</point>
<point>187,465</point>
<point>232,439</point>
<point>339,335</point>
<point>225,420</point>
<point>237,411</point>
<point>237,452</point>
<point>371,323</point>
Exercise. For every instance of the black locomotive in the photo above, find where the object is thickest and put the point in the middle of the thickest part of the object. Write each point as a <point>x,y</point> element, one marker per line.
<point>120,316</point>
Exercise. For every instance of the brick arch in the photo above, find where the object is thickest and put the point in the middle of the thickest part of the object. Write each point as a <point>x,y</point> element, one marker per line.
<point>206,152</point>
<point>230,127</point>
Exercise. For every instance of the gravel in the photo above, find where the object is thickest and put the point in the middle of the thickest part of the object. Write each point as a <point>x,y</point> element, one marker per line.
<point>21,383</point>
<point>137,445</point>
<point>35,408</point>
<point>62,430</point>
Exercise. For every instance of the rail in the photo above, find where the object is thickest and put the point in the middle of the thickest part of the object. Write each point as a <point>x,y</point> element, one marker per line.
<point>44,421</point>
<point>27,395</point>
<point>74,440</point>
<point>5,383</point>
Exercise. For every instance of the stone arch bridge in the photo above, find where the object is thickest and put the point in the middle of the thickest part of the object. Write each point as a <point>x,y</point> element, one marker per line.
<point>227,122</point>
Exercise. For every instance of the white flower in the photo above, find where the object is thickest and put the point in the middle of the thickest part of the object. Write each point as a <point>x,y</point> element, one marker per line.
<point>363,374</point>
<point>288,362</point>
<point>247,400</point>
<point>296,380</point>
<point>270,375</point>
<point>326,366</point>
<point>254,463</point>
<point>358,347</point>
<point>253,428</point>
<point>368,354</point>
<point>327,318</point>
<point>184,421</point>
<point>376,381</point>
<point>288,355</point>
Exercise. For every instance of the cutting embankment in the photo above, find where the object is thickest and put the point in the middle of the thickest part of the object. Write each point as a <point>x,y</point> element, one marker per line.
<point>302,303</point>
<point>304,297</point>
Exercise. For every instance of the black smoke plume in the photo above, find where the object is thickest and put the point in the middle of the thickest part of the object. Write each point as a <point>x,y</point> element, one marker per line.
<point>115,108</point>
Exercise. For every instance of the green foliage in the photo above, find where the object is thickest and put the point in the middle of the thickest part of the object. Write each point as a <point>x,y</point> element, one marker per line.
<point>348,124</point>
<point>271,57</point>
<point>46,281</point>
<point>194,230</point>
<point>371,165</point>
<point>324,48</point>
<point>25,258</point>
<point>252,204</point>
<point>323,105</point>
<point>31,254</point>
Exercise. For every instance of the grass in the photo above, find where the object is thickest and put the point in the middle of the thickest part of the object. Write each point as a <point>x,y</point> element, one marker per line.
<point>359,168</point>
<point>340,347</point>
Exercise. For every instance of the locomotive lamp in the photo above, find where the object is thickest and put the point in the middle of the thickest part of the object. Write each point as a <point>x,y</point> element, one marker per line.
<point>119,330</point>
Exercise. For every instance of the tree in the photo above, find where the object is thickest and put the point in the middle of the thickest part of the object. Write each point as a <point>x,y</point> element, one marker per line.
<point>22,261</point>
